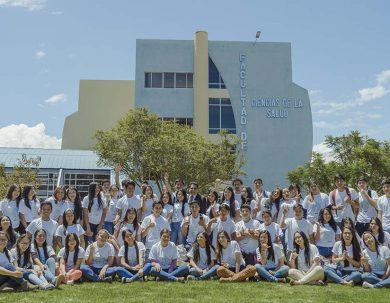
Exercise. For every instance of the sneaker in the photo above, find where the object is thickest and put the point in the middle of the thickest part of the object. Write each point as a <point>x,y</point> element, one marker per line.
<point>180,280</point>
<point>107,279</point>
<point>60,279</point>
<point>126,280</point>
<point>367,285</point>
<point>69,282</point>
<point>25,286</point>
<point>47,286</point>
<point>191,278</point>
<point>6,288</point>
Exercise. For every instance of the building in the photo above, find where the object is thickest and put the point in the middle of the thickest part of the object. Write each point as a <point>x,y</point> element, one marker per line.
<point>244,87</point>
<point>57,167</point>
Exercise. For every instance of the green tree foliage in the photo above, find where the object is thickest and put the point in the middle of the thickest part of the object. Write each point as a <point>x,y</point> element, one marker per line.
<point>148,148</point>
<point>24,172</point>
<point>354,155</point>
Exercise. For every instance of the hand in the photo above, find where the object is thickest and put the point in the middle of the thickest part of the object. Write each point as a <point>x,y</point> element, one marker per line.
<point>17,274</point>
<point>157,267</point>
<point>102,273</point>
<point>88,233</point>
<point>152,225</point>
<point>345,255</point>
<point>91,247</point>
<point>199,270</point>
<point>213,220</point>
<point>363,259</point>
<point>141,272</point>
<point>100,226</point>
<point>264,247</point>
<point>285,209</point>
<point>294,255</point>
<point>224,264</point>
<point>186,221</point>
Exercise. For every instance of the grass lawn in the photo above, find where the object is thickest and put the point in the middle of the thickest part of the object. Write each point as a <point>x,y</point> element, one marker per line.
<point>195,291</point>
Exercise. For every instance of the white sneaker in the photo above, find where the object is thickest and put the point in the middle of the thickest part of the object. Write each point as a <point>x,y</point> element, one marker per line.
<point>70,282</point>
<point>367,285</point>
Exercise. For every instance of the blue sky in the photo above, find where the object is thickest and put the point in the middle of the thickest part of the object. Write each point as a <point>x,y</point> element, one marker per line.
<point>340,53</point>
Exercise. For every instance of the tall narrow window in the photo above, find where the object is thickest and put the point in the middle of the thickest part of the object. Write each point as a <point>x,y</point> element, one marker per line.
<point>157,80</point>
<point>148,80</point>
<point>221,116</point>
<point>215,79</point>
<point>169,80</point>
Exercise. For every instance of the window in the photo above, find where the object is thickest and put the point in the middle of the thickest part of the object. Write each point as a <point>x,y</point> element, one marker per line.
<point>81,181</point>
<point>221,116</point>
<point>215,79</point>
<point>169,80</point>
<point>182,121</point>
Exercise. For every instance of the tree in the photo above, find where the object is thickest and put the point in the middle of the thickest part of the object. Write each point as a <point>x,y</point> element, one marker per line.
<point>147,148</point>
<point>24,172</point>
<point>354,155</point>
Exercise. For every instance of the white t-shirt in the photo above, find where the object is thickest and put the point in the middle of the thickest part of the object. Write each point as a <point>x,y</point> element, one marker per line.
<point>9,208</point>
<point>314,255</point>
<point>327,235</point>
<point>290,211</point>
<point>168,209</point>
<point>177,216</point>
<point>111,210</point>
<point>69,263</point>
<point>202,262</point>
<point>164,255</point>
<point>338,251</point>
<point>100,254</point>
<point>29,214</point>
<point>154,233</point>
<point>228,254</point>
<point>292,226</point>
<point>386,239</point>
<point>313,208</point>
<point>228,225</point>
<point>273,229</point>
<point>384,207</point>
<point>126,226</point>
<point>58,208</point>
<point>49,227</point>
<point>271,264</point>
<point>211,208</point>
<point>75,229</point>
<point>194,227</point>
<point>346,211</point>
<point>378,262</point>
<point>248,244</point>
<point>4,261</point>
<point>95,215</point>
<point>131,253</point>
<point>125,203</point>
<point>41,254</point>
<point>366,211</point>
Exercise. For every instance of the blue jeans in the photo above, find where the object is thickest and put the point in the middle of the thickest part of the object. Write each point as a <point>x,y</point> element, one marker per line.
<point>50,270</point>
<point>210,273</point>
<point>92,273</point>
<point>176,236</point>
<point>374,279</point>
<point>264,273</point>
<point>134,275</point>
<point>13,282</point>
<point>362,227</point>
<point>109,226</point>
<point>94,229</point>
<point>165,275</point>
<point>340,275</point>
<point>325,251</point>
<point>34,278</point>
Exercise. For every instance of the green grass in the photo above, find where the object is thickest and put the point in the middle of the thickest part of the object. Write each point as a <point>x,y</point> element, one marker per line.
<point>193,291</point>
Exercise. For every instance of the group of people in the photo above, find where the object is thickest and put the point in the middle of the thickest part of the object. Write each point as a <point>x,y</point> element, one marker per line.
<point>234,234</point>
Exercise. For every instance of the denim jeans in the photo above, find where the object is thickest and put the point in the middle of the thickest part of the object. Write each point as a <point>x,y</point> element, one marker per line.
<point>325,251</point>
<point>210,273</point>
<point>264,273</point>
<point>13,282</point>
<point>340,275</point>
<point>34,278</point>
<point>374,279</point>
<point>134,275</point>
<point>50,270</point>
<point>109,226</point>
<point>94,230</point>
<point>362,227</point>
<point>176,236</point>
<point>165,275</point>
<point>92,273</point>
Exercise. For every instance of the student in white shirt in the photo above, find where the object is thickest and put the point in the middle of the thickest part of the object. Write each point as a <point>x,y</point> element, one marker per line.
<point>129,222</point>
<point>326,233</point>
<point>129,200</point>
<point>94,211</point>
<point>212,200</point>
<point>345,269</point>
<point>202,259</point>
<point>10,205</point>
<point>229,199</point>
<point>272,204</point>
<point>73,201</point>
<point>70,258</point>
<point>270,259</point>
<point>384,206</point>
<point>286,206</point>
<point>6,226</point>
<point>180,211</point>
<point>247,235</point>
<point>147,200</point>
<point>376,263</point>
<point>232,265</point>
<point>304,262</point>
<point>163,257</point>
<point>237,184</point>
<point>69,225</point>
<point>273,228</point>
<point>166,202</point>
<point>247,198</point>
<point>259,193</point>
<point>28,207</point>
<point>193,224</point>
<point>221,223</point>
<point>45,223</point>
<point>112,200</point>
<point>377,231</point>
<point>367,206</point>
<point>314,202</point>
<point>58,204</point>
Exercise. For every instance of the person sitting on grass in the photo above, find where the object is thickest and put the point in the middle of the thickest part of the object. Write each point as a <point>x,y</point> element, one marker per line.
<point>70,258</point>
<point>163,257</point>
<point>202,259</point>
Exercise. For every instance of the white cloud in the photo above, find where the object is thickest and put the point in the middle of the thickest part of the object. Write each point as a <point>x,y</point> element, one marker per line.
<point>56,99</point>
<point>24,136</point>
<point>39,54</point>
<point>31,5</point>
<point>324,150</point>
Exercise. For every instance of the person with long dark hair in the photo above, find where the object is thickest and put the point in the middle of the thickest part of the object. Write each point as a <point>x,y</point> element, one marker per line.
<point>10,205</point>
<point>6,226</point>
<point>28,207</point>
<point>346,260</point>
<point>112,200</point>
<point>69,226</point>
<point>377,231</point>
<point>58,203</point>
<point>129,222</point>
<point>234,206</point>
<point>271,203</point>
<point>375,262</point>
<point>166,202</point>
<point>273,228</point>
<point>202,259</point>
<point>314,202</point>
<point>94,211</point>
<point>73,201</point>
<point>70,258</point>
<point>180,211</point>
<point>305,262</point>
<point>270,259</point>
<point>326,232</point>
<point>212,200</point>
<point>221,223</point>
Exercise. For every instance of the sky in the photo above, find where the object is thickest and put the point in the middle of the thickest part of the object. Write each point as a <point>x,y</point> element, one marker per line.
<point>340,54</point>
